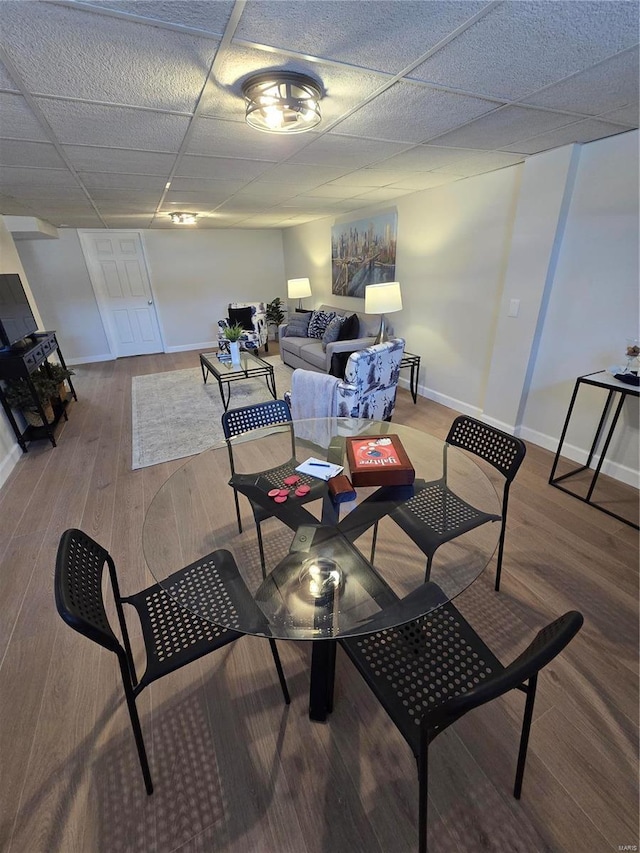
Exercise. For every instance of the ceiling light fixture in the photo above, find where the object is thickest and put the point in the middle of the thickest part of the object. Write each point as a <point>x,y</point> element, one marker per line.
<point>183,218</point>
<point>282,102</point>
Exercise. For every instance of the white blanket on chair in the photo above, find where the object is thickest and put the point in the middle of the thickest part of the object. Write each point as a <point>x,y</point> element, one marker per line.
<point>313,395</point>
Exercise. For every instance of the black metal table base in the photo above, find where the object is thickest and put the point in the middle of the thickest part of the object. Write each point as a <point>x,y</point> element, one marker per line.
<point>412,361</point>
<point>252,373</point>
<point>599,380</point>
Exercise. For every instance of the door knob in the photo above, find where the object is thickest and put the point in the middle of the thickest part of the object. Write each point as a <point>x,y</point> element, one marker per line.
<point>150,302</point>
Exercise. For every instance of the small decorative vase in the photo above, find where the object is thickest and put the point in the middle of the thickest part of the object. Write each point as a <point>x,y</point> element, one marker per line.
<point>234,348</point>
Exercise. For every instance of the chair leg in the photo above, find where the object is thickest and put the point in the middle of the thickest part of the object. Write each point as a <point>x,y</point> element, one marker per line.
<point>137,728</point>
<point>423,794</point>
<point>235,497</point>
<point>283,683</point>
<point>261,549</point>
<point>524,738</point>
<point>427,573</point>
<point>373,542</point>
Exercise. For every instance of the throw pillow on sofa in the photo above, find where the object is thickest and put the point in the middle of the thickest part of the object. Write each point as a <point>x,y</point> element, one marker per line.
<point>241,316</point>
<point>350,329</point>
<point>298,326</point>
<point>332,332</point>
<point>319,322</point>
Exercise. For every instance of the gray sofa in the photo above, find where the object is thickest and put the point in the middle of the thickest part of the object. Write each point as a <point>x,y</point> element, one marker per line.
<point>308,353</point>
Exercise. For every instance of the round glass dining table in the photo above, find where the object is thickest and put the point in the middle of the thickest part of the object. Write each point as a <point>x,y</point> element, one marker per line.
<point>329,568</point>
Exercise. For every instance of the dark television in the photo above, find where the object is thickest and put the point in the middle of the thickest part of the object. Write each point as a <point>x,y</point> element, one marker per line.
<point>16,317</point>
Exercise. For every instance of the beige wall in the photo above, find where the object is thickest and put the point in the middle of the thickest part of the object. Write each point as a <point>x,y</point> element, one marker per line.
<point>560,234</point>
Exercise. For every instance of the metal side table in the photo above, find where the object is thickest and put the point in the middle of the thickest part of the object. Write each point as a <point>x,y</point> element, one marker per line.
<point>615,389</point>
<point>412,361</point>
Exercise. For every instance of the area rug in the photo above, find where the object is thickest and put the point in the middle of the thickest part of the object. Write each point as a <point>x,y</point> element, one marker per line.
<point>175,414</point>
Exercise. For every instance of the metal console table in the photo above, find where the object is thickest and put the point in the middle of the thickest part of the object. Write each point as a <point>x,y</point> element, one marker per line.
<point>412,361</point>
<point>615,388</point>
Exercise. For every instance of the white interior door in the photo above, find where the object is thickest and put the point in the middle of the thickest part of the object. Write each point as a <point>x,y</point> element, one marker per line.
<point>120,279</point>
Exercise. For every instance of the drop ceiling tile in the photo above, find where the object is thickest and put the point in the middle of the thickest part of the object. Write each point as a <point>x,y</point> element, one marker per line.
<point>344,88</point>
<point>334,190</point>
<point>142,222</point>
<point>124,196</point>
<point>193,191</point>
<point>88,159</point>
<point>220,168</point>
<point>411,113</point>
<point>66,52</point>
<point>236,139</point>
<point>584,131</point>
<point>611,84</point>
<point>629,115</point>
<point>269,192</point>
<point>100,180</point>
<point>422,181</point>
<point>197,14</point>
<point>6,81</point>
<point>503,126</point>
<point>311,202</point>
<point>17,121</point>
<point>18,152</point>
<point>381,194</point>
<point>486,161</point>
<point>114,127</point>
<point>371,178</point>
<point>10,206</point>
<point>300,175</point>
<point>425,158</point>
<point>18,176</point>
<point>519,47</point>
<point>344,31</point>
<point>77,222</point>
<point>30,193</point>
<point>345,151</point>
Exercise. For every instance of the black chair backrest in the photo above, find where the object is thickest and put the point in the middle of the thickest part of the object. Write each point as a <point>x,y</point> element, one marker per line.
<point>505,452</point>
<point>548,643</point>
<point>78,588</point>
<point>248,418</point>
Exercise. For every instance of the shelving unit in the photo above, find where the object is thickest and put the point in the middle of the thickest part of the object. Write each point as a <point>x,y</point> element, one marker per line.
<point>20,362</point>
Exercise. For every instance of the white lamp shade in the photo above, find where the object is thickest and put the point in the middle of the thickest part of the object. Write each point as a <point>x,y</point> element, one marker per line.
<point>384,298</point>
<point>298,288</point>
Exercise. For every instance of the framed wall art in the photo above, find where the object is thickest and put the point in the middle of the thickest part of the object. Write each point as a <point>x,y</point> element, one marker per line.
<point>363,252</point>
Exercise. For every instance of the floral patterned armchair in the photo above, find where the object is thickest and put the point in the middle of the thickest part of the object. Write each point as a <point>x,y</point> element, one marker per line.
<point>368,389</point>
<point>251,339</point>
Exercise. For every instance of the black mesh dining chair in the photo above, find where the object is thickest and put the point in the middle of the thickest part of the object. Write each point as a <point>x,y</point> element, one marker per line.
<point>257,416</point>
<point>430,672</point>
<point>173,636</point>
<point>435,514</point>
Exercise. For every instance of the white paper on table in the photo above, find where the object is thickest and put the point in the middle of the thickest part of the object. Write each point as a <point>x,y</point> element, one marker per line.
<point>319,468</point>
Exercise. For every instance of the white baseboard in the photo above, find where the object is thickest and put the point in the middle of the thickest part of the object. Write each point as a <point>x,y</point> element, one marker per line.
<point>203,347</point>
<point>9,463</point>
<point>91,359</point>
<point>549,442</point>
<point>576,454</point>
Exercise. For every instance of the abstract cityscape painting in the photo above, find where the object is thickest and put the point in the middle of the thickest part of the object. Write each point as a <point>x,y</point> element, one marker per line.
<point>363,252</point>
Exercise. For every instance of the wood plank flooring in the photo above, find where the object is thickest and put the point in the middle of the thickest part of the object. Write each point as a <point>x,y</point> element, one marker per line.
<point>236,771</point>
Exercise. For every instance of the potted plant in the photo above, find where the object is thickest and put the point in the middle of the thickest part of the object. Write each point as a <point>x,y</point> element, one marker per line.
<point>274,314</point>
<point>58,375</point>
<point>19,396</point>
<point>233,334</point>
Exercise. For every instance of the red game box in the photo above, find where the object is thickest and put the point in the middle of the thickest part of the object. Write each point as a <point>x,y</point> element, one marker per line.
<point>379,460</point>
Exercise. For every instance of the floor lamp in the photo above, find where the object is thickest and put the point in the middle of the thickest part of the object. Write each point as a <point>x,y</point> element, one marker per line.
<point>384,298</point>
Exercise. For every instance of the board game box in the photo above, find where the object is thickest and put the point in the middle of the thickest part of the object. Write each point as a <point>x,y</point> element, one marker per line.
<point>379,460</point>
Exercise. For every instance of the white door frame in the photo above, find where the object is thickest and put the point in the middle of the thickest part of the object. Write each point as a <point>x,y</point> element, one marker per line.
<point>101,298</point>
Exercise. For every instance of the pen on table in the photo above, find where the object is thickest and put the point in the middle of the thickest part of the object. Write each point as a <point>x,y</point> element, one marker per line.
<point>320,464</point>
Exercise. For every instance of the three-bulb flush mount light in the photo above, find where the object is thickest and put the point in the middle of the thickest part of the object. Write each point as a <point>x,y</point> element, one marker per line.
<point>183,218</point>
<point>282,102</point>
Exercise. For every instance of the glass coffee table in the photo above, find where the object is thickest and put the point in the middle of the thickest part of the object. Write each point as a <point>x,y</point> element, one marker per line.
<point>320,583</point>
<point>251,366</point>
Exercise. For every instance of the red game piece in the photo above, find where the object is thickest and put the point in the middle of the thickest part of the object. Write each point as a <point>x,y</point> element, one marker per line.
<point>303,490</point>
<point>281,498</point>
<point>291,481</point>
<point>273,493</point>
<point>283,493</point>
